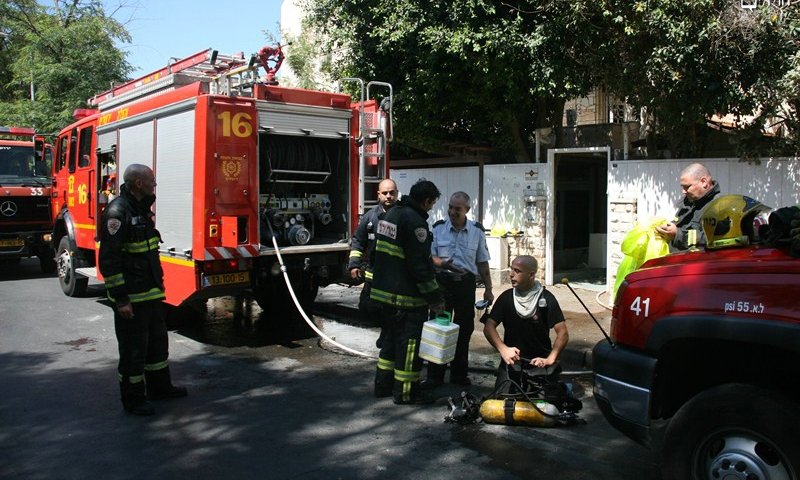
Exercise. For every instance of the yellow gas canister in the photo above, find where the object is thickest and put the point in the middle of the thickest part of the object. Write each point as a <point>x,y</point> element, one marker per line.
<point>439,338</point>
<point>511,411</point>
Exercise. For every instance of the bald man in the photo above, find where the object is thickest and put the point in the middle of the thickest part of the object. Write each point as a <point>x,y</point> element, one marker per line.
<point>134,279</point>
<point>686,231</point>
<point>363,242</point>
<point>527,311</point>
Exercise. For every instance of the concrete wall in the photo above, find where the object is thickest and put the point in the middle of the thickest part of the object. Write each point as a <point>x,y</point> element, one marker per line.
<point>505,188</point>
<point>639,190</point>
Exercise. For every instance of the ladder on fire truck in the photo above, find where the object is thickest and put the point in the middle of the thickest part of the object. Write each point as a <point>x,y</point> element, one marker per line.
<point>374,135</point>
<point>225,75</point>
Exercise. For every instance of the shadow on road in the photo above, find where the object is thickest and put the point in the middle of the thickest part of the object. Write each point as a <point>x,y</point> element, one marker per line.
<point>238,322</point>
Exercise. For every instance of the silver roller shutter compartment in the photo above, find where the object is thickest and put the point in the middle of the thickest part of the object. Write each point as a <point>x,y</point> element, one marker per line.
<point>175,177</point>
<point>303,120</point>
<point>106,140</point>
<point>135,145</point>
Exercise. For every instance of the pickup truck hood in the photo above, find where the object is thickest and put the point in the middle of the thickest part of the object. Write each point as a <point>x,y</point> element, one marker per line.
<point>753,283</point>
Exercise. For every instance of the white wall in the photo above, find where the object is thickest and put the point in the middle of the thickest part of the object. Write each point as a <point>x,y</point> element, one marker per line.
<point>448,180</point>
<point>654,183</point>
<point>503,189</point>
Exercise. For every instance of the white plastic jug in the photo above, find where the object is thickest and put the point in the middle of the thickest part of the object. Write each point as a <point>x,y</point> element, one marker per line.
<point>439,338</point>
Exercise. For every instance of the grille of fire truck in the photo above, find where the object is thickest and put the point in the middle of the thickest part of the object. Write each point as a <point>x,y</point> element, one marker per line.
<point>224,74</point>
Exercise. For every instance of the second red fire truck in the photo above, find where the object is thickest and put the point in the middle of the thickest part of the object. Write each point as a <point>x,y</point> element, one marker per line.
<point>245,169</point>
<point>25,212</point>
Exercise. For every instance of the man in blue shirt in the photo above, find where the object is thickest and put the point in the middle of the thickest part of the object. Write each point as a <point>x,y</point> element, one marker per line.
<point>459,254</point>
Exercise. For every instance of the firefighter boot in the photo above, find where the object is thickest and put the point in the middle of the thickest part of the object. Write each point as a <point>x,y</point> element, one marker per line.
<point>133,398</point>
<point>160,387</point>
<point>384,381</point>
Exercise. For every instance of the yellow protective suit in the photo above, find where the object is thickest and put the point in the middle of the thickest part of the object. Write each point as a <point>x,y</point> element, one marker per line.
<point>640,245</point>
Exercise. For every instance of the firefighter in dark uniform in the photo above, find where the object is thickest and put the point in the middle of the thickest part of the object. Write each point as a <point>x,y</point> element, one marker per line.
<point>363,244</point>
<point>405,287</point>
<point>130,265</point>
<point>686,230</point>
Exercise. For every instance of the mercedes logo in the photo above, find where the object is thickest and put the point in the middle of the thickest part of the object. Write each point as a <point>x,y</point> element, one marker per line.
<point>8,209</point>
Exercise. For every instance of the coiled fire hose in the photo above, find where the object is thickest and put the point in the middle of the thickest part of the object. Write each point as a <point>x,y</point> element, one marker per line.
<point>300,308</point>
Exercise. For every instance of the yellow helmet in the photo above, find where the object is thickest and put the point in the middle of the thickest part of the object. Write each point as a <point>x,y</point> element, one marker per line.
<point>732,221</point>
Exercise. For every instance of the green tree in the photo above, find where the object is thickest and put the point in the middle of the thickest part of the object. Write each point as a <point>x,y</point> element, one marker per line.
<point>686,61</point>
<point>465,71</point>
<point>487,72</point>
<point>67,51</point>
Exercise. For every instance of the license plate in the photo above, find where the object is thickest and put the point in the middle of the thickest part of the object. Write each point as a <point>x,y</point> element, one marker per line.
<point>12,242</point>
<point>227,278</point>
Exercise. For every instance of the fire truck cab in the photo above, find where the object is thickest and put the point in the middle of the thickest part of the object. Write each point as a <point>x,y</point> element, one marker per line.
<point>25,217</point>
<point>246,169</point>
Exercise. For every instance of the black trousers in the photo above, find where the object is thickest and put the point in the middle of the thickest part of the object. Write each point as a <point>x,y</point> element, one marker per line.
<point>143,351</point>
<point>399,364</point>
<point>459,296</point>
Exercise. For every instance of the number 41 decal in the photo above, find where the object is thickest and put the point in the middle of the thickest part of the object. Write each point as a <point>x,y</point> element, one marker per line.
<point>640,303</point>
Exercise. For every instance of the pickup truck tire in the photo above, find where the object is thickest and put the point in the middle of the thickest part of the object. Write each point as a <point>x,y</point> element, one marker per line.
<point>72,284</point>
<point>734,431</point>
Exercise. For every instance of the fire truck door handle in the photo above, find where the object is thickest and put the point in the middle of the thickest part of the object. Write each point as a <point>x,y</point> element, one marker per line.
<point>89,189</point>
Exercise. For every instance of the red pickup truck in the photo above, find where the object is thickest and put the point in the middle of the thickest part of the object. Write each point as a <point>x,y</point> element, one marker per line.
<point>705,363</point>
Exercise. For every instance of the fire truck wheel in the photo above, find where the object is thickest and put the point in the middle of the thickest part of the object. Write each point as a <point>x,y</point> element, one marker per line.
<point>72,284</point>
<point>733,431</point>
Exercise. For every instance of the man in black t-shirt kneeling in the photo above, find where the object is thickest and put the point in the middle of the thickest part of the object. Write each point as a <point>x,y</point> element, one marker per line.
<point>527,312</point>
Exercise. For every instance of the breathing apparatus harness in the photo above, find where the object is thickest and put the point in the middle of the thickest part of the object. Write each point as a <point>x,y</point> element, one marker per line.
<point>536,385</point>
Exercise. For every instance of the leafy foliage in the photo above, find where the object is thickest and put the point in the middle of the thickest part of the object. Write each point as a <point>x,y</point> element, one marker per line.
<point>470,71</point>
<point>488,72</point>
<point>66,51</point>
<point>686,61</point>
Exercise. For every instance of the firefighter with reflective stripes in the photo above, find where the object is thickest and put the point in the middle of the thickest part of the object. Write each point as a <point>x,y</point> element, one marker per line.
<point>405,287</point>
<point>363,244</point>
<point>129,262</point>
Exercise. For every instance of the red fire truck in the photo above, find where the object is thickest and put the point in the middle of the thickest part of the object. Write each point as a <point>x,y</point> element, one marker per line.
<point>246,169</point>
<point>25,219</point>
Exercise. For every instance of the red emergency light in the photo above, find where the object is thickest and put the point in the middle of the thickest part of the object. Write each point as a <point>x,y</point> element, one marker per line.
<point>83,113</point>
<point>17,130</point>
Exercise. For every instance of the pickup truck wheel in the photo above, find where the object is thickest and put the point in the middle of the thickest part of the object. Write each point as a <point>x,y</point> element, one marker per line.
<point>734,432</point>
<point>72,284</point>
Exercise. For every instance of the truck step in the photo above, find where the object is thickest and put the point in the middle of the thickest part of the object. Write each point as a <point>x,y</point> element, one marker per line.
<point>90,272</point>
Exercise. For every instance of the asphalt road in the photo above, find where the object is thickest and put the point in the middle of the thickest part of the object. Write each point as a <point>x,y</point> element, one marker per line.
<point>267,401</point>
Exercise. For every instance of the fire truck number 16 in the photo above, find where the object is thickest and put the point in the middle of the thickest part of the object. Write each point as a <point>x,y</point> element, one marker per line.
<point>239,124</point>
<point>83,192</point>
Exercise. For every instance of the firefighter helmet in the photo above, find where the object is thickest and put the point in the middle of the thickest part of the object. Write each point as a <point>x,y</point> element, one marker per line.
<point>732,221</point>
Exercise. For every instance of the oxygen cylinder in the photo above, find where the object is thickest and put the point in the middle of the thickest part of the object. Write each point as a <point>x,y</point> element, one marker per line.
<point>511,411</point>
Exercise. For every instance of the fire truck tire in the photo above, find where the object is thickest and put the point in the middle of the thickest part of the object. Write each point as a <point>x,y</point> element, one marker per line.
<point>72,284</point>
<point>733,431</point>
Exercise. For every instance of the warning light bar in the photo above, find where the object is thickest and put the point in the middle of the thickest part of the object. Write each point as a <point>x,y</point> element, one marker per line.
<point>83,113</point>
<point>17,131</point>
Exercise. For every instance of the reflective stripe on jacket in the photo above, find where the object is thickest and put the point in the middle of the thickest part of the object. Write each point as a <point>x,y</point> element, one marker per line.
<point>402,272</point>
<point>128,259</point>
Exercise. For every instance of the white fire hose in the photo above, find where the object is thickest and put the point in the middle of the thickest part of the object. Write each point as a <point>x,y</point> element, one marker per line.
<point>300,308</point>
